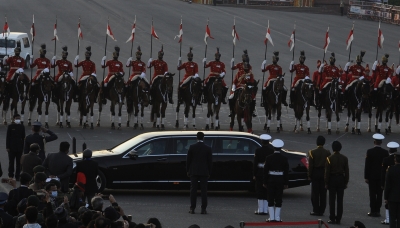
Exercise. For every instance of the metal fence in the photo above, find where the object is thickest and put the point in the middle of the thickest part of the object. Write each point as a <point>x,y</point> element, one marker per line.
<point>374,11</point>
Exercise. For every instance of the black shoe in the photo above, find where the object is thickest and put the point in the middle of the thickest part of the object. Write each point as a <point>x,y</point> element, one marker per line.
<point>171,101</point>
<point>254,114</point>
<point>315,213</point>
<point>203,211</point>
<point>260,213</point>
<point>191,211</point>
<point>290,105</point>
<point>284,103</point>
<point>337,222</point>
<point>374,214</point>
<point>151,102</point>
<point>331,221</point>
<point>230,114</point>
<point>268,220</point>
<point>384,222</point>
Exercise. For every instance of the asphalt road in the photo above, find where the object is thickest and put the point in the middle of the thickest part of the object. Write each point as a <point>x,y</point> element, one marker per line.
<point>225,208</point>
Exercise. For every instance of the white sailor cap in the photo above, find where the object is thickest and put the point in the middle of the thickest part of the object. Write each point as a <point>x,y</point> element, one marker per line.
<point>277,143</point>
<point>393,145</point>
<point>265,137</point>
<point>378,137</point>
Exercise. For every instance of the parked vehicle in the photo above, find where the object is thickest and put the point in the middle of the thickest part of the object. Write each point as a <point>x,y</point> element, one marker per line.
<point>157,160</point>
<point>16,39</point>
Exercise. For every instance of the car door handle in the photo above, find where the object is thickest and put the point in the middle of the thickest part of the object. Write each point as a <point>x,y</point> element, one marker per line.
<point>162,159</point>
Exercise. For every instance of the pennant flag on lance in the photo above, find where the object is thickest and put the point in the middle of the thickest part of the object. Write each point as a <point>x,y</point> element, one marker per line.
<point>291,41</point>
<point>33,32</point>
<point>132,37</point>
<point>235,35</point>
<point>180,33</point>
<point>153,33</point>
<point>380,36</point>
<point>268,36</point>
<point>350,38</point>
<point>208,34</point>
<point>110,33</point>
<point>327,40</point>
<point>6,29</point>
<point>55,32</point>
<point>80,34</point>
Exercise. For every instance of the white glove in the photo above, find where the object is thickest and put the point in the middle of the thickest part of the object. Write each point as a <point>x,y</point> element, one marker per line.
<point>128,62</point>
<point>221,75</point>
<point>71,74</point>
<point>291,65</point>
<point>247,77</point>
<point>374,66</point>
<point>148,62</point>
<point>53,60</point>
<point>398,70</point>
<point>263,64</point>
<point>122,73</point>
<point>142,75</point>
<point>346,67</point>
<point>103,61</point>
<point>204,60</point>
<point>321,68</point>
<point>233,88</point>
<point>76,60</point>
<point>31,60</point>
<point>4,60</point>
<point>232,62</point>
<point>179,61</point>
<point>196,75</point>
<point>165,73</point>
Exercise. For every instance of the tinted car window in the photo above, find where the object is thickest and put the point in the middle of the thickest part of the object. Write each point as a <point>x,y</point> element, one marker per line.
<point>153,147</point>
<point>182,144</point>
<point>238,146</point>
<point>25,41</point>
<point>10,43</point>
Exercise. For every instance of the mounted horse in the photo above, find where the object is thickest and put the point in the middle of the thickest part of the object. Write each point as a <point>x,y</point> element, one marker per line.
<point>215,96</point>
<point>161,87</point>
<point>88,91</point>
<point>4,96</point>
<point>41,92</point>
<point>137,95</point>
<point>384,102</point>
<point>18,91</point>
<point>190,96</point>
<point>304,96</point>
<point>330,100</point>
<point>64,95</point>
<point>272,98</point>
<point>115,92</point>
<point>358,97</point>
<point>243,106</point>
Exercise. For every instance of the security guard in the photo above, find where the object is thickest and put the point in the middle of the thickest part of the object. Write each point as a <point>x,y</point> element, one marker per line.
<point>336,180</point>
<point>276,170</point>
<point>372,174</point>
<point>387,162</point>
<point>35,137</point>
<point>316,168</point>
<point>392,189</point>
<point>258,172</point>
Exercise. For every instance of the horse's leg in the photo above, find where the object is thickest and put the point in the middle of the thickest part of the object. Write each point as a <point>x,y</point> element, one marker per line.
<point>387,122</point>
<point>296,125</point>
<point>186,116</point>
<point>119,114</point>
<point>68,112</point>
<point>46,113</point>
<point>318,119</point>
<point>308,119</point>
<point>163,108</point>
<point>269,118</point>
<point>390,121</point>
<point>39,110</point>
<point>239,120</point>
<point>278,119</point>
<point>232,123</point>
<point>369,118</point>
<point>208,116</point>
<point>337,122</point>
<point>194,116</point>
<point>60,108</point>
<point>135,114</point>
<point>329,120</point>
<point>376,119</point>
<point>346,129</point>
<point>23,103</point>
<point>177,115</point>
<point>112,114</point>
<point>99,113</point>
<point>216,112</point>
<point>212,110</point>
<point>141,117</point>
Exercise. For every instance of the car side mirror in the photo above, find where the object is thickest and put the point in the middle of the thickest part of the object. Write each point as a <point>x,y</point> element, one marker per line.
<point>133,155</point>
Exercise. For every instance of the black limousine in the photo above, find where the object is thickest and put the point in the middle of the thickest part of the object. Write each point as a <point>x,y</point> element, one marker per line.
<point>157,160</point>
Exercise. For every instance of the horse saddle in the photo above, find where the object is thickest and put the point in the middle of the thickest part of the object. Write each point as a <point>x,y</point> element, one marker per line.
<point>381,83</point>
<point>270,82</point>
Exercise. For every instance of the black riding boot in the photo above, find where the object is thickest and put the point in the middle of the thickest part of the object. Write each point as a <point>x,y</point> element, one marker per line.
<point>253,108</point>
<point>374,95</point>
<point>231,106</point>
<point>224,92</point>
<point>54,93</point>
<point>170,98</point>
<point>102,95</point>
<point>292,96</point>
<point>205,96</point>
<point>284,95</point>
<point>180,100</point>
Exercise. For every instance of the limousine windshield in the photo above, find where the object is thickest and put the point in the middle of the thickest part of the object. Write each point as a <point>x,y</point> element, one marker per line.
<point>127,145</point>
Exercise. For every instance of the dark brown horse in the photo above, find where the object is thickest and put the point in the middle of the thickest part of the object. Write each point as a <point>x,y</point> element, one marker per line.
<point>214,99</point>
<point>65,96</point>
<point>358,96</point>
<point>88,91</point>
<point>385,98</point>
<point>4,96</point>
<point>137,96</point>
<point>115,92</point>
<point>42,92</point>
<point>330,98</point>
<point>304,95</point>
<point>191,94</point>
<point>18,89</point>
<point>161,87</point>
<point>273,102</point>
<point>242,109</point>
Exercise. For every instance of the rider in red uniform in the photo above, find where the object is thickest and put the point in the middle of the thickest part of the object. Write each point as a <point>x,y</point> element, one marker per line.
<point>354,72</point>
<point>328,73</point>
<point>274,70</point>
<point>380,73</point>
<point>191,70</point>
<point>302,71</point>
<point>14,62</point>
<point>63,65</point>
<point>114,67</point>
<point>160,69</point>
<point>217,69</point>
<point>41,62</point>
<point>88,66</point>
<point>138,67</point>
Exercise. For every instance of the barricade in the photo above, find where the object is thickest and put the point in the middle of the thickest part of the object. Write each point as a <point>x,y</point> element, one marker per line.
<point>319,222</point>
<point>374,11</point>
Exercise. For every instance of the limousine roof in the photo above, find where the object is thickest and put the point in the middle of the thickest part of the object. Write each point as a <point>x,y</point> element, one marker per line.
<point>193,133</point>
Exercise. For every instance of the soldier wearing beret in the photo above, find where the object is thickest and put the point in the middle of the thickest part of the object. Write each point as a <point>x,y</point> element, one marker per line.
<point>41,140</point>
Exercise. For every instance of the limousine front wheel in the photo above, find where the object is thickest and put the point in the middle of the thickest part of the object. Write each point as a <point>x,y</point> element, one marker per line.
<point>101,181</point>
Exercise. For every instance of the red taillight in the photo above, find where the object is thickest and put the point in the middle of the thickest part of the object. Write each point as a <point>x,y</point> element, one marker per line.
<point>305,162</point>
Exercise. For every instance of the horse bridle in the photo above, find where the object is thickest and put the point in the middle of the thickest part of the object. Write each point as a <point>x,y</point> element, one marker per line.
<point>280,78</point>
<point>88,93</point>
<point>245,101</point>
<point>70,86</point>
<point>23,86</point>
<point>333,101</point>
<point>162,85</point>
<point>310,86</point>
<point>144,92</point>
<point>119,93</point>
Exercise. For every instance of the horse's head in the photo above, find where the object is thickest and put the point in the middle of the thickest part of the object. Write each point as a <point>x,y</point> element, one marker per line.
<point>66,81</point>
<point>119,83</point>
<point>217,87</point>
<point>334,90</point>
<point>144,90</point>
<point>246,96</point>
<point>307,89</point>
<point>279,83</point>
<point>365,86</point>
<point>2,82</point>
<point>46,81</point>
<point>90,84</point>
<point>168,82</point>
<point>196,85</point>
<point>388,89</point>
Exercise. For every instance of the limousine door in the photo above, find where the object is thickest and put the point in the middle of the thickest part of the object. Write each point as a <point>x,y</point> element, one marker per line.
<point>150,166</point>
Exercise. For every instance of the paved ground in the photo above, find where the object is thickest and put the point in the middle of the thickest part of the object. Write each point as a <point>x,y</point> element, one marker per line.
<point>225,208</point>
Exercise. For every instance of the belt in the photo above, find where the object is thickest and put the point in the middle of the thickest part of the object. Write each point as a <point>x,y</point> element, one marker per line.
<point>40,69</point>
<point>215,73</point>
<point>112,72</point>
<point>136,72</point>
<point>275,173</point>
<point>260,165</point>
<point>355,76</point>
<point>328,77</point>
<point>14,68</point>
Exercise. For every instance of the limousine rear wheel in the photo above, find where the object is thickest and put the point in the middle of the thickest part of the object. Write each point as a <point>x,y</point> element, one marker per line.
<point>101,181</point>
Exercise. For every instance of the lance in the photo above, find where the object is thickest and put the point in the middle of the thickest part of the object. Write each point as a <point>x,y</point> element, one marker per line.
<point>77,69</point>
<point>323,62</point>
<point>151,43</point>
<point>351,43</point>
<point>55,51</point>
<point>6,44</point>
<point>180,55</point>
<point>294,40</point>
<point>33,40</point>
<point>105,50</point>
<point>265,59</point>
<point>233,45</point>
<point>131,51</point>
<point>205,56</point>
<point>377,43</point>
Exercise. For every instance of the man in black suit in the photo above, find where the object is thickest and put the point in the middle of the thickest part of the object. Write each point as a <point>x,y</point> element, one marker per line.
<point>198,168</point>
<point>392,189</point>
<point>387,162</point>
<point>17,194</point>
<point>4,216</point>
<point>372,174</point>
<point>30,160</point>
<point>35,137</point>
<point>15,146</point>
<point>89,168</point>
<point>60,165</point>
